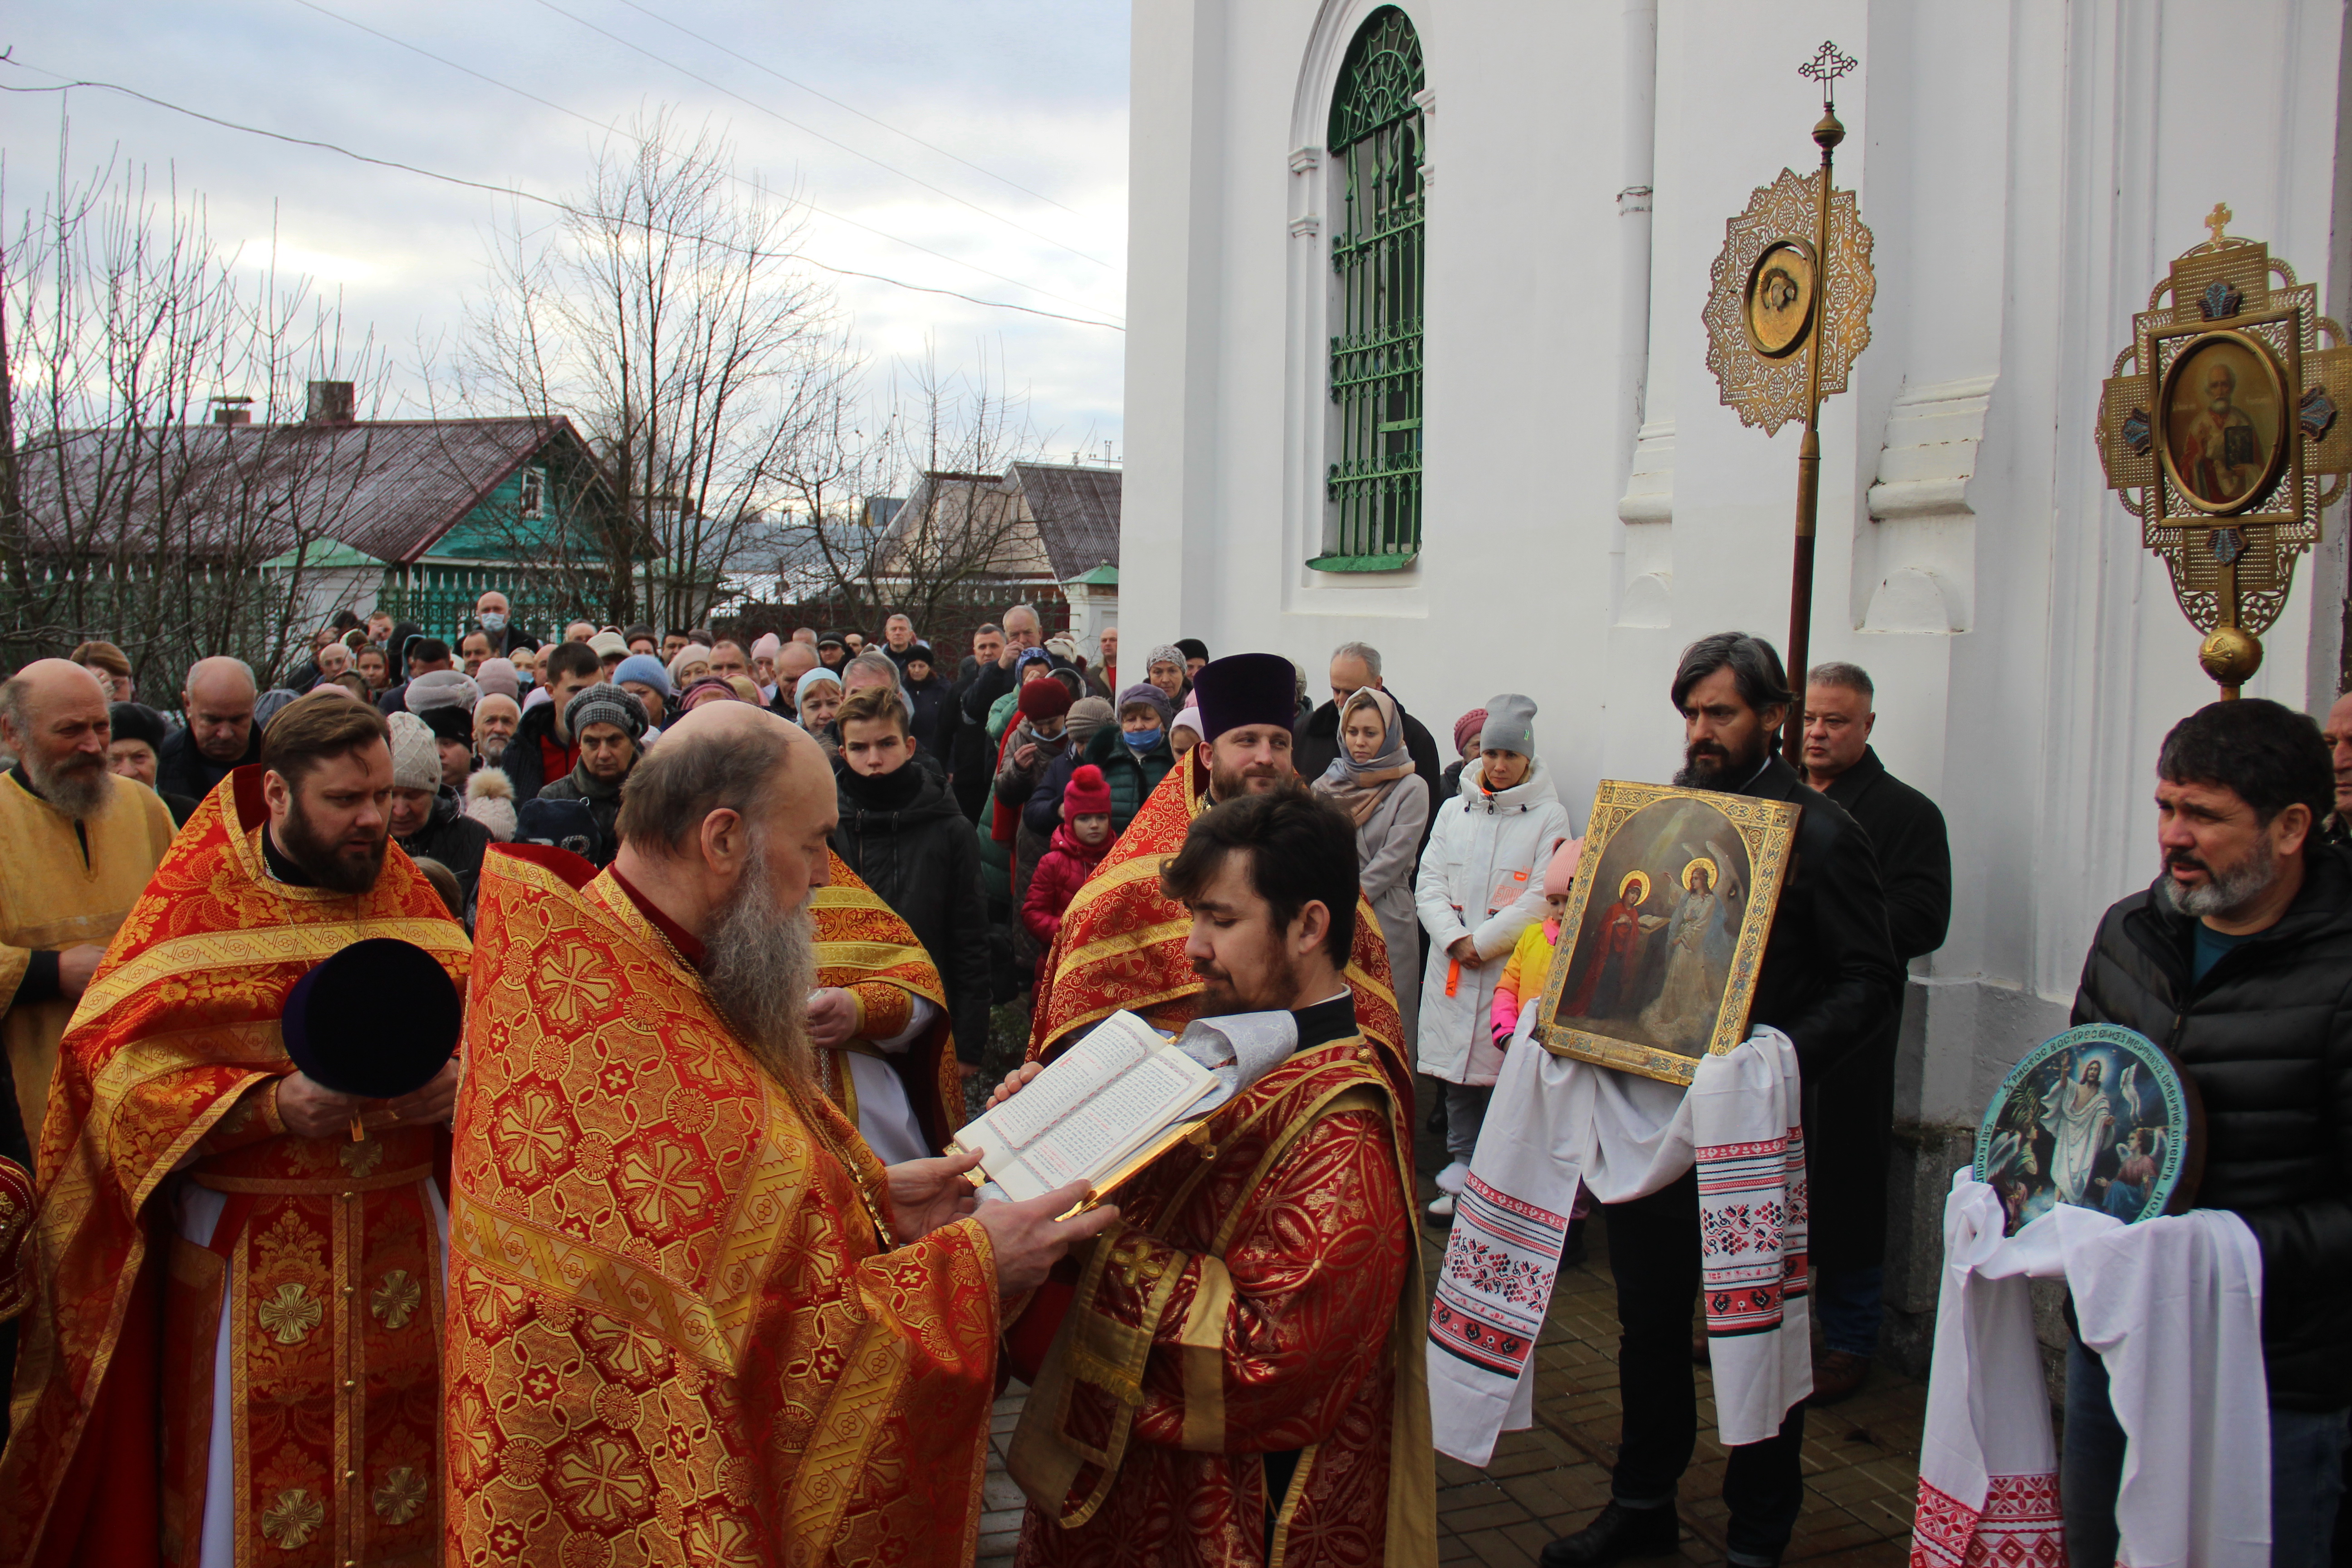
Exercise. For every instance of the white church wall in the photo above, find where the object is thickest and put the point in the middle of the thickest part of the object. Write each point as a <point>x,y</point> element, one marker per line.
<point>2025,194</point>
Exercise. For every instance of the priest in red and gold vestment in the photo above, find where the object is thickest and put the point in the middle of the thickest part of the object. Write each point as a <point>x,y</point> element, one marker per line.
<point>1121,944</point>
<point>218,1257</point>
<point>693,1320</point>
<point>1233,1375</point>
<point>879,1020</point>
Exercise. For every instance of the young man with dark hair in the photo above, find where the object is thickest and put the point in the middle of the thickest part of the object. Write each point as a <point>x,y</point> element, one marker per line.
<point>1253,1392</point>
<point>901,833</point>
<point>2238,960</point>
<point>230,1155</point>
<point>1828,981</point>
<point>543,749</point>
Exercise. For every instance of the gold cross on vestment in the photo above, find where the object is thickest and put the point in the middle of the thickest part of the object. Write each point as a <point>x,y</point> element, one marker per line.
<point>2216,220</point>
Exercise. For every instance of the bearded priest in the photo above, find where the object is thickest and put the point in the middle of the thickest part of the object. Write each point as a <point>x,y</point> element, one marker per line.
<point>885,1054</point>
<point>233,1353</point>
<point>1122,943</point>
<point>1233,1375</point>
<point>692,1318</point>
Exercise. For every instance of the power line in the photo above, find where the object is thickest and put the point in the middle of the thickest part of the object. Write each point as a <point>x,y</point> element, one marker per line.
<point>807,131</point>
<point>616,130</point>
<point>520,195</point>
<point>851,107</point>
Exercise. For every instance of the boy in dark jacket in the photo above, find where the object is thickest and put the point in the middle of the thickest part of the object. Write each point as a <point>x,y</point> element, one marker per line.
<point>1079,844</point>
<point>542,749</point>
<point>902,832</point>
<point>2238,961</point>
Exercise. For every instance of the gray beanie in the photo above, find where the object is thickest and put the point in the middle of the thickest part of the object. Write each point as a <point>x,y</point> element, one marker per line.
<point>1510,725</point>
<point>606,704</point>
<point>415,760</point>
<point>1166,653</point>
<point>1088,715</point>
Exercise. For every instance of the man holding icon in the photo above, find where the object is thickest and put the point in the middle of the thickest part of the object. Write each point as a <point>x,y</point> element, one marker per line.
<point>232,1350</point>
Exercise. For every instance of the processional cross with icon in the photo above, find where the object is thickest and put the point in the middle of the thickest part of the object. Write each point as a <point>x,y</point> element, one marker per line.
<point>2221,427</point>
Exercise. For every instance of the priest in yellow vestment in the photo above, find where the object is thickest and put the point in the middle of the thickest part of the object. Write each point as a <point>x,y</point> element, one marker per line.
<point>233,1353</point>
<point>1234,1374</point>
<point>880,1023</point>
<point>693,1320</point>
<point>76,845</point>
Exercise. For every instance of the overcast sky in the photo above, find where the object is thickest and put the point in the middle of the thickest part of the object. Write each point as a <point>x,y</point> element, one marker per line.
<point>1033,93</point>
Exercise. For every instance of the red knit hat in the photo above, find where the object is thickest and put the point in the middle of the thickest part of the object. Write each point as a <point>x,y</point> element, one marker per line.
<point>1044,697</point>
<point>1086,795</point>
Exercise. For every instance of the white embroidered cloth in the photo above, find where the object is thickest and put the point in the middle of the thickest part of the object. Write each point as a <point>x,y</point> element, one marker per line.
<point>1553,1122</point>
<point>2173,1306</point>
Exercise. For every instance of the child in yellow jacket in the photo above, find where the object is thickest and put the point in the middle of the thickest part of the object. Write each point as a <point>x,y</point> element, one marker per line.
<point>1522,987</point>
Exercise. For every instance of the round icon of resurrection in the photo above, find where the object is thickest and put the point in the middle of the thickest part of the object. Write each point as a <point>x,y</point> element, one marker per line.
<point>1779,307</point>
<point>2099,1118</point>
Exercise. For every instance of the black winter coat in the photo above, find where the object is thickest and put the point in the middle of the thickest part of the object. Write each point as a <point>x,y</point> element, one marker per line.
<point>2267,1038</point>
<point>1914,862</point>
<point>1315,745</point>
<point>905,836</point>
<point>1828,980</point>
<point>456,840</point>
<point>927,705</point>
<point>181,769</point>
<point>969,756</point>
<point>522,762</point>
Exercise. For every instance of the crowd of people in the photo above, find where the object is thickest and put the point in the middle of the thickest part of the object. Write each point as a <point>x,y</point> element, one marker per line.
<point>743,931</point>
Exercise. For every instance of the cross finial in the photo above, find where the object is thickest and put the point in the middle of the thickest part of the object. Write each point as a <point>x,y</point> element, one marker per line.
<point>1826,66</point>
<point>2215,219</point>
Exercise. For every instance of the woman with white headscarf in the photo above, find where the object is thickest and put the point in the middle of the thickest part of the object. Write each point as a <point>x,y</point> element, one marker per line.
<point>1372,780</point>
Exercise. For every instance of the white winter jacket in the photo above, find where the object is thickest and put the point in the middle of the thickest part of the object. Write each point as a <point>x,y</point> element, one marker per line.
<point>1481,876</point>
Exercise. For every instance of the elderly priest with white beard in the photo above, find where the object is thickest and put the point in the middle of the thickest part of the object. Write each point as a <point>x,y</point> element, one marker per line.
<point>692,1318</point>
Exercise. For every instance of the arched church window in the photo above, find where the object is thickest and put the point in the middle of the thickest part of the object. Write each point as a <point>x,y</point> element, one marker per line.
<point>1374,492</point>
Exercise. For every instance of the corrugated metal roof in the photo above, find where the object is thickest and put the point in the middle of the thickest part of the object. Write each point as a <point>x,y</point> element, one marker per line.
<point>1076,511</point>
<point>390,488</point>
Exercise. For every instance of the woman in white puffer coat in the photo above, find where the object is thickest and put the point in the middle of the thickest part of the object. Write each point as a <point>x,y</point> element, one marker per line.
<point>1481,885</point>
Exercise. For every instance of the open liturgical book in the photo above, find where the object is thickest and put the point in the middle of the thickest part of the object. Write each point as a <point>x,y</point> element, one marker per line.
<point>1117,1100</point>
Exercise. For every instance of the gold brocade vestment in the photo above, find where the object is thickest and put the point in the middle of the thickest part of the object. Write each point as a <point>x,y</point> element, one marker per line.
<point>313,1285</point>
<point>679,1333</point>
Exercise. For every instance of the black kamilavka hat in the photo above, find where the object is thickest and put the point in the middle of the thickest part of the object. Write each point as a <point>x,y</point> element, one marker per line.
<point>378,1019</point>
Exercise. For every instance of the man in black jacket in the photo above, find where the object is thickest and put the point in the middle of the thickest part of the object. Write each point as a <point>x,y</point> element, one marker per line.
<point>1828,982</point>
<point>2238,961</point>
<point>1848,1182</point>
<point>902,833</point>
<point>971,763</point>
<point>219,736</point>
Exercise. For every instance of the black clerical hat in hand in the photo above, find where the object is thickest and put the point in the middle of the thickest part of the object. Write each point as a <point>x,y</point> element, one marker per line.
<point>379,1019</point>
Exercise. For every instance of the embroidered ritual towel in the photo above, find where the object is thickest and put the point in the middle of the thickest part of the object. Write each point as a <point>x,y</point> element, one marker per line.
<point>2173,1306</point>
<point>1554,1122</point>
<point>1988,1467</point>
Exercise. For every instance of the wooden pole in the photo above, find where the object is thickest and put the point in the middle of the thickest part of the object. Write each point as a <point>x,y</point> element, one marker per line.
<point>1826,136</point>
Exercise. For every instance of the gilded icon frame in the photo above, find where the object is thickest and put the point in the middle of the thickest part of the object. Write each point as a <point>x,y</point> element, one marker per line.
<point>1763,834</point>
<point>2281,469</point>
<point>1809,287</point>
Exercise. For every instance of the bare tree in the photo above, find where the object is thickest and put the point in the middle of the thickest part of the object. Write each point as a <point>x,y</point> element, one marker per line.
<point>941,443</point>
<point>124,513</point>
<point>664,313</point>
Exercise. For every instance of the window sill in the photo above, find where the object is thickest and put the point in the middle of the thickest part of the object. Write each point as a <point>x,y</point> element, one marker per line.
<point>1362,563</point>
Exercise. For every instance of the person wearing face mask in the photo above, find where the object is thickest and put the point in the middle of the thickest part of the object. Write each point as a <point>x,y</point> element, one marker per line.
<point>495,618</point>
<point>1132,755</point>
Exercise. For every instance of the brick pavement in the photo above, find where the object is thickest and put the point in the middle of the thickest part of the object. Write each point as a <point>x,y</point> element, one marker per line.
<point>1861,1458</point>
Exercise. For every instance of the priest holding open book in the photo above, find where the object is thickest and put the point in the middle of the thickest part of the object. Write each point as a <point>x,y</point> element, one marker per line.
<point>1232,1372</point>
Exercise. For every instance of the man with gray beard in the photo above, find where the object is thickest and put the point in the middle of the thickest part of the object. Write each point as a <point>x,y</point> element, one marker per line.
<point>76,845</point>
<point>2238,961</point>
<point>672,1263</point>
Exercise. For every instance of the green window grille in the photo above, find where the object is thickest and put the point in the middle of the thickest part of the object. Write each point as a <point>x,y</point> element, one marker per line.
<point>1373,490</point>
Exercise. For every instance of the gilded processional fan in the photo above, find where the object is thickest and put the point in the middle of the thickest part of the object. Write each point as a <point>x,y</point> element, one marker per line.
<point>2221,428</point>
